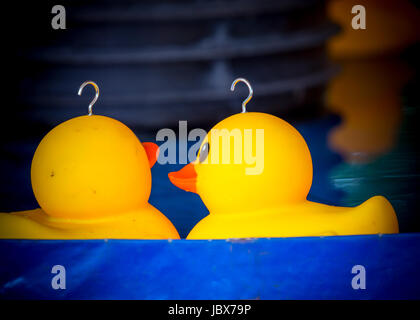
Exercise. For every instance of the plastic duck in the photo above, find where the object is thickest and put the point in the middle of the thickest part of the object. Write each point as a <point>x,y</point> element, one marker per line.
<point>91,177</point>
<point>247,199</point>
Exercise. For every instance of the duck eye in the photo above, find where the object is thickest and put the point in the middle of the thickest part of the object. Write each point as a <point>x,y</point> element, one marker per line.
<point>204,152</point>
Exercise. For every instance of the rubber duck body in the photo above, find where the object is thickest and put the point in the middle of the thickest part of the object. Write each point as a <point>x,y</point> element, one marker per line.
<point>91,177</point>
<point>262,192</point>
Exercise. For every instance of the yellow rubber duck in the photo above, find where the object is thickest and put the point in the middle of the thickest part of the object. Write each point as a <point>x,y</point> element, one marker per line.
<point>254,171</point>
<point>91,177</point>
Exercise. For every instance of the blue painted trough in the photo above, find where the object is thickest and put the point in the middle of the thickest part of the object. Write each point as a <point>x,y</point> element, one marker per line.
<point>282,268</point>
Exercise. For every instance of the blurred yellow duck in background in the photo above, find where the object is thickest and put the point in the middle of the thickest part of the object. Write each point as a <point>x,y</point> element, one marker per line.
<point>391,26</point>
<point>256,181</point>
<point>91,177</point>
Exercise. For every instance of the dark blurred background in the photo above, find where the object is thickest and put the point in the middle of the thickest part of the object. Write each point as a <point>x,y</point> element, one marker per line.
<point>353,94</point>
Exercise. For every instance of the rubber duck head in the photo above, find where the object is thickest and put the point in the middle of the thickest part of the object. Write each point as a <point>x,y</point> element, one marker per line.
<point>92,166</point>
<point>248,161</point>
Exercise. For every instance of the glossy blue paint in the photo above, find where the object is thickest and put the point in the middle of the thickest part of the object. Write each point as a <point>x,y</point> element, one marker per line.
<point>282,268</point>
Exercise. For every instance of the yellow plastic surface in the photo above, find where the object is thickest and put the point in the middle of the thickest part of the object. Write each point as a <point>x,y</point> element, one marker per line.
<point>91,176</point>
<point>273,203</point>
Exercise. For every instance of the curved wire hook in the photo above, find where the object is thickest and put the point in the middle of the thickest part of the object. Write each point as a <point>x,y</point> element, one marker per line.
<point>251,92</point>
<point>84,84</point>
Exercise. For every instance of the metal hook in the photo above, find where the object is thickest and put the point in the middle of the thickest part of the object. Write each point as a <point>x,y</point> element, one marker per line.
<point>251,92</point>
<point>84,84</point>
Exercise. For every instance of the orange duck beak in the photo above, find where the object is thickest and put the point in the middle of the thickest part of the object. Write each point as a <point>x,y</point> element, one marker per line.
<point>185,178</point>
<point>152,152</point>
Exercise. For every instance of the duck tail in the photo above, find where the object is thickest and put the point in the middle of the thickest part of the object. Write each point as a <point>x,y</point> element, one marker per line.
<point>384,216</point>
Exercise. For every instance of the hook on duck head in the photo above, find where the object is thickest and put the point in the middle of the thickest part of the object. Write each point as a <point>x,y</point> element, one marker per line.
<point>251,92</point>
<point>84,84</point>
